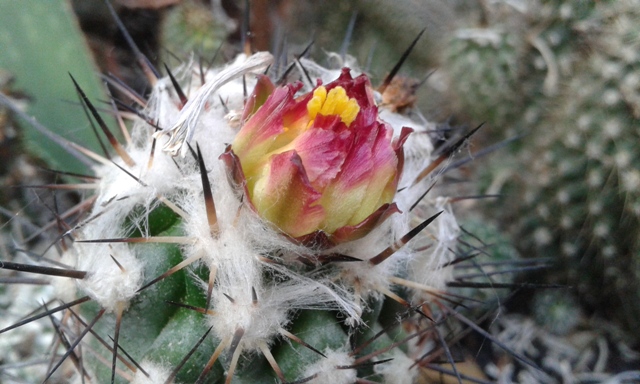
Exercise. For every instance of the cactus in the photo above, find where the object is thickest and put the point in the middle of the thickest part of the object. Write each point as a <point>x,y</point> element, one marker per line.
<point>506,60</point>
<point>557,311</point>
<point>180,269</point>
<point>55,47</point>
<point>591,166</point>
<point>486,65</point>
<point>569,83</point>
<point>176,272</point>
<point>491,267</point>
<point>192,26</point>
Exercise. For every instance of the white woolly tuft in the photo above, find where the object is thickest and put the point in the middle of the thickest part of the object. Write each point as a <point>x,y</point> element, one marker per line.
<point>65,288</point>
<point>400,370</point>
<point>425,267</point>
<point>158,373</point>
<point>260,321</point>
<point>184,126</point>
<point>105,282</point>
<point>368,280</point>
<point>327,370</point>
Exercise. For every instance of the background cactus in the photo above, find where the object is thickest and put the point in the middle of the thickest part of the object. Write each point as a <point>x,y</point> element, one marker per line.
<point>193,27</point>
<point>562,74</point>
<point>506,61</point>
<point>495,265</point>
<point>486,62</point>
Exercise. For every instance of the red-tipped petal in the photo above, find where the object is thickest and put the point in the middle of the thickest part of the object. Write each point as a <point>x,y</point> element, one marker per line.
<point>256,136</point>
<point>382,182</point>
<point>322,240</point>
<point>263,89</point>
<point>342,198</point>
<point>354,232</point>
<point>323,149</point>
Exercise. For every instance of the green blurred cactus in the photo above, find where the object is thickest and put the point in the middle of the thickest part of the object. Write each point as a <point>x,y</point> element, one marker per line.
<point>192,27</point>
<point>485,63</point>
<point>506,58</point>
<point>557,311</point>
<point>41,43</point>
<point>589,162</point>
<point>494,264</point>
<point>574,96</point>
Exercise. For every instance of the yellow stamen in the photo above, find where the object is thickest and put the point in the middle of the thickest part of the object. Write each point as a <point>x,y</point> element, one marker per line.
<point>336,102</point>
<point>315,104</point>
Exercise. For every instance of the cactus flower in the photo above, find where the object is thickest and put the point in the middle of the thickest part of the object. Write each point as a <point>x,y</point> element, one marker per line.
<point>321,167</point>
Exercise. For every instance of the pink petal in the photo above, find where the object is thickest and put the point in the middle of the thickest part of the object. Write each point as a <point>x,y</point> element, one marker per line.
<point>295,120</point>
<point>323,149</point>
<point>234,169</point>
<point>322,240</point>
<point>369,176</point>
<point>256,136</point>
<point>387,163</point>
<point>398,147</point>
<point>384,165</point>
<point>342,197</point>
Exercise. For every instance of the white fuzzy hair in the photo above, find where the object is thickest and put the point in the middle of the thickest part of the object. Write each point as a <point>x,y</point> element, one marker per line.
<point>327,371</point>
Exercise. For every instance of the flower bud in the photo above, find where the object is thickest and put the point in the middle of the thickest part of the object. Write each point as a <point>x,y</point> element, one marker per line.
<point>321,167</point>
